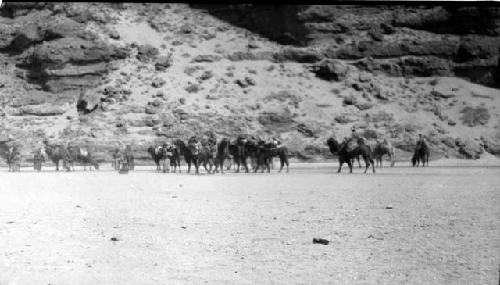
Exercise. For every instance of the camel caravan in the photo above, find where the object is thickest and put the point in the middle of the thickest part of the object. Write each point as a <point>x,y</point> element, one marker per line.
<point>215,156</point>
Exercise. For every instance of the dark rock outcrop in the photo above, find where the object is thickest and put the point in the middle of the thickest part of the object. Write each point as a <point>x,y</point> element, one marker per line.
<point>57,52</point>
<point>432,40</point>
<point>331,69</point>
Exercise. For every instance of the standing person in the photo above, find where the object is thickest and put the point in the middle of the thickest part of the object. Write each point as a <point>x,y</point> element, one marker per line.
<point>38,159</point>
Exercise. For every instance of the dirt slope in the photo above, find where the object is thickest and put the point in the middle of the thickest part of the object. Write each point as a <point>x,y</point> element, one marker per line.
<point>101,74</point>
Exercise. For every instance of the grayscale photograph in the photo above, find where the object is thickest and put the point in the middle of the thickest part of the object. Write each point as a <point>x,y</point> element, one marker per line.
<point>183,143</point>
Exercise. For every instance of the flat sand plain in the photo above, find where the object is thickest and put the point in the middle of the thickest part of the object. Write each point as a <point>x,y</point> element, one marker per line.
<point>402,225</point>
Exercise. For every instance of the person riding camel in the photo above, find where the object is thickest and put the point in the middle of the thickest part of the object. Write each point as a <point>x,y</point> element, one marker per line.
<point>276,142</point>
<point>354,134</point>
<point>421,141</point>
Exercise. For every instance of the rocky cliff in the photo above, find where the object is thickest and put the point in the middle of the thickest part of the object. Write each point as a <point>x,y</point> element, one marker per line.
<point>103,74</point>
<point>396,40</point>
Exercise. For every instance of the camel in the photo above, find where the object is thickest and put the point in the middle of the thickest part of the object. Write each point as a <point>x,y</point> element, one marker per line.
<point>171,152</point>
<point>265,153</point>
<point>159,156</point>
<point>206,155</point>
<point>381,149</point>
<point>421,154</point>
<point>192,153</point>
<point>222,154</point>
<point>346,152</point>
<point>56,153</point>
<point>241,149</point>
<point>82,155</point>
<point>13,159</point>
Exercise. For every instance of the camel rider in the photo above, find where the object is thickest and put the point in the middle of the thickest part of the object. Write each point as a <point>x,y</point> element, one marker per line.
<point>128,149</point>
<point>386,142</point>
<point>241,139</point>
<point>421,141</point>
<point>158,148</point>
<point>354,134</point>
<point>276,142</point>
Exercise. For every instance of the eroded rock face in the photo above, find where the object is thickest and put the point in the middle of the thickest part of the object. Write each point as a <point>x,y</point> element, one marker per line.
<point>57,52</point>
<point>432,40</point>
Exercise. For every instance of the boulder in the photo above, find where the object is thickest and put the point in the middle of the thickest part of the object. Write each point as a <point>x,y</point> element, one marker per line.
<point>206,75</point>
<point>250,81</point>
<point>344,119</point>
<point>298,55</point>
<point>306,130</point>
<point>186,29</point>
<point>242,83</point>
<point>158,82</point>
<point>114,35</point>
<point>146,53</point>
<point>331,69</point>
<point>363,105</point>
<point>88,101</point>
<point>438,94</point>
<point>207,58</point>
<point>239,56</point>
<point>163,62</point>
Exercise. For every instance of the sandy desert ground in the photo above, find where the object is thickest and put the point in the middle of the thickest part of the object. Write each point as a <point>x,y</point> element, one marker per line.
<point>153,228</point>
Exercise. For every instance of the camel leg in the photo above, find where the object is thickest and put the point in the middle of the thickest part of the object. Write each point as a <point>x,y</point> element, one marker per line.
<point>205,166</point>
<point>196,165</point>
<point>341,162</point>
<point>359,163</point>
<point>212,165</point>
<point>221,164</point>
<point>245,165</point>
<point>367,163</point>
<point>373,165</point>
<point>237,162</point>
<point>349,163</point>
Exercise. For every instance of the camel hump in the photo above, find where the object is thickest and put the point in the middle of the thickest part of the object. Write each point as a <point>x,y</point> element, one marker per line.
<point>84,151</point>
